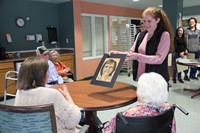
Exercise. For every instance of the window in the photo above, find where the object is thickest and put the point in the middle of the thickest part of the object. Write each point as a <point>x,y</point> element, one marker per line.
<point>94,35</point>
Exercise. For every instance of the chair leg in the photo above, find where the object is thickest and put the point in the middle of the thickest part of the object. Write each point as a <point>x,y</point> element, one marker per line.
<point>196,94</point>
<point>4,98</point>
<point>5,91</point>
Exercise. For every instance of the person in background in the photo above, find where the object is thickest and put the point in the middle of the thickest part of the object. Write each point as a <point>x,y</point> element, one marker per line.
<point>61,68</point>
<point>151,48</point>
<point>192,35</point>
<point>152,100</point>
<point>142,28</point>
<point>180,51</point>
<point>32,77</point>
<point>54,78</point>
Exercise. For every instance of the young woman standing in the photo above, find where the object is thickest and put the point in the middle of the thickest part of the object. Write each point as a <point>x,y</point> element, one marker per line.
<point>180,51</point>
<point>151,48</point>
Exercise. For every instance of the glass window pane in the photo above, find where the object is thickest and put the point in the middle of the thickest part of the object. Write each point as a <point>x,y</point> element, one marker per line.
<point>86,36</point>
<point>99,35</point>
<point>114,34</point>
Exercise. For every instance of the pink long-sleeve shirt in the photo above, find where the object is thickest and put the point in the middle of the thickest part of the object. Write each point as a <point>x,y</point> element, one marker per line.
<point>143,59</point>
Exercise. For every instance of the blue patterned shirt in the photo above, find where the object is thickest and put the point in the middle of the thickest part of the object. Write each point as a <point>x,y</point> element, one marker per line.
<point>53,74</point>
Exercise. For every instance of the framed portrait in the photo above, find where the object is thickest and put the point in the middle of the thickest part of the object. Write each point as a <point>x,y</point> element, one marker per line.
<point>108,70</point>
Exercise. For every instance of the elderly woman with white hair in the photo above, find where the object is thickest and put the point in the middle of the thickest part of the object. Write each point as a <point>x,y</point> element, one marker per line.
<point>152,100</point>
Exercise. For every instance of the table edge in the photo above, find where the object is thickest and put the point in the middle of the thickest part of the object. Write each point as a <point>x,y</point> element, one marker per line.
<point>109,107</point>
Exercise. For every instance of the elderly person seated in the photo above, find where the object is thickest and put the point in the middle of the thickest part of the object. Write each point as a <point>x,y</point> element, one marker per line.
<point>61,68</point>
<point>152,97</point>
<point>33,75</point>
<point>54,78</point>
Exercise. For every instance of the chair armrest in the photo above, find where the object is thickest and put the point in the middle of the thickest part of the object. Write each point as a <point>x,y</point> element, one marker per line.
<point>122,118</point>
<point>181,109</point>
<point>84,129</point>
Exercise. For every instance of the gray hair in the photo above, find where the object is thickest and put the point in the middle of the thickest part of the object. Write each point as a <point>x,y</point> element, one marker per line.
<point>53,51</point>
<point>152,89</point>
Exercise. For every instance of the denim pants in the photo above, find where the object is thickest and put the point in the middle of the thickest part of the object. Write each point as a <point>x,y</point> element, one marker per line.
<point>193,70</point>
<point>197,56</point>
<point>175,56</point>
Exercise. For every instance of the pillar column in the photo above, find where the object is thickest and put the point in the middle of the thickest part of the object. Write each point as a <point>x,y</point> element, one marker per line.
<point>174,9</point>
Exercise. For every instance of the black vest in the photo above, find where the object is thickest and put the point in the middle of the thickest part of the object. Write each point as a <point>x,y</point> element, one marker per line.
<point>151,49</point>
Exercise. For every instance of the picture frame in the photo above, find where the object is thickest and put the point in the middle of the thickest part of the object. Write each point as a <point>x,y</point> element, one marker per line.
<point>108,70</point>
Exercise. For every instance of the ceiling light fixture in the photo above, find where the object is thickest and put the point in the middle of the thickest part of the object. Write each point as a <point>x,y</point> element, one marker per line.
<point>135,0</point>
<point>160,6</point>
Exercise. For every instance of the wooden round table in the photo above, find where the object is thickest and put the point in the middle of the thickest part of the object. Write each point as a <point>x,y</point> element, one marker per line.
<point>92,98</point>
<point>197,91</point>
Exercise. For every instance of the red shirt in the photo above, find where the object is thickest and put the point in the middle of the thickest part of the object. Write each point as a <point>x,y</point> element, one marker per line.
<point>59,67</point>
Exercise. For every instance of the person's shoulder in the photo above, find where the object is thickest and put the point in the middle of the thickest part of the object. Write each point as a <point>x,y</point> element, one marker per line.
<point>52,90</point>
<point>175,37</point>
<point>51,65</point>
<point>178,38</point>
<point>166,106</point>
<point>50,62</point>
<point>50,93</point>
<point>198,30</point>
<point>61,63</point>
<point>165,34</point>
<point>41,90</point>
<point>47,90</point>
<point>187,29</point>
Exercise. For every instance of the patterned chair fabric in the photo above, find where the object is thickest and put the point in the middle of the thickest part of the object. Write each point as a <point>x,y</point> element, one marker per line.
<point>29,119</point>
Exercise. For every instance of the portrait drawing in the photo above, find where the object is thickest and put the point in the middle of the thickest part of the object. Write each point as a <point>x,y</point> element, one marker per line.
<point>108,70</point>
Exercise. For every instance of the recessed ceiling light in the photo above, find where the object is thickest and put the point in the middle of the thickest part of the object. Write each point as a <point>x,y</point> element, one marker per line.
<point>135,0</point>
<point>160,5</point>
